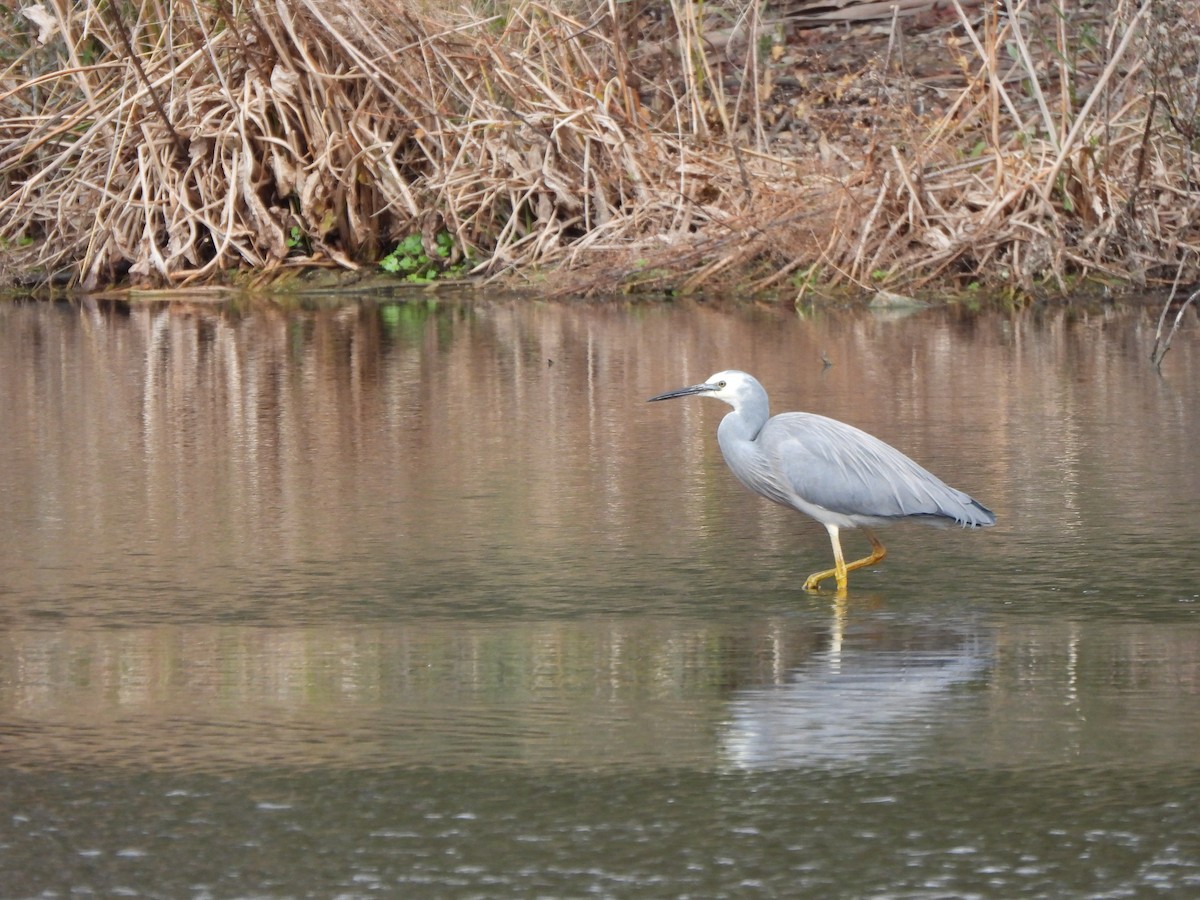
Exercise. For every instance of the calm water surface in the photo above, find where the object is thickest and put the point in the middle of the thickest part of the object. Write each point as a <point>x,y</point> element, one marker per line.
<point>384,599</point>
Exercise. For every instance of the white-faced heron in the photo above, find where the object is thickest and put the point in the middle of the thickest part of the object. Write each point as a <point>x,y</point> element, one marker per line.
<point>839,475</point>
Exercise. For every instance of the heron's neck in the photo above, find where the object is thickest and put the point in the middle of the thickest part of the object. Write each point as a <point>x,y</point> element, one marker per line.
<point>740,425</point>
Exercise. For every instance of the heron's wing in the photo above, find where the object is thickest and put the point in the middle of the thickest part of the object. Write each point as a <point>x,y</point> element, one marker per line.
<point>840,468</point>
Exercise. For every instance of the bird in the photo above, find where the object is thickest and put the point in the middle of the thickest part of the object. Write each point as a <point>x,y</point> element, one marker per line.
<point>839,475</point>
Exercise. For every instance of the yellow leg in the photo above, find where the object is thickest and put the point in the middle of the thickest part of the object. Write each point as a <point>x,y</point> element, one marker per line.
<point>840,567</point>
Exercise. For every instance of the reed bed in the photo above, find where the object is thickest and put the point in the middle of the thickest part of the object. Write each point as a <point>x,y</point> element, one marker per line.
<point>619,144</point>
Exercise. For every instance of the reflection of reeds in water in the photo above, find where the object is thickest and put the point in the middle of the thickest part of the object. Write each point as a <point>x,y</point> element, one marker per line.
<point>593,692</point>
<point>441,435</point>
<point>635,142</point>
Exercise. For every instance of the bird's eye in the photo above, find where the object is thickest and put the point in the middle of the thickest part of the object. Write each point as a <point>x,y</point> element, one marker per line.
<point>720,384</point>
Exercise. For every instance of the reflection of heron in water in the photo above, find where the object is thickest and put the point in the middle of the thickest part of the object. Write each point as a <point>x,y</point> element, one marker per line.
<point>848,704</point>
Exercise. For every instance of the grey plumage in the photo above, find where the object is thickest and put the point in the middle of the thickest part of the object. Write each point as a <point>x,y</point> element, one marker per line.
<point>834,472</point>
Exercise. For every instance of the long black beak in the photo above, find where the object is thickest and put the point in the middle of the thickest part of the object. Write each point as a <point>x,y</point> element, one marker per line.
<point>684,392</point>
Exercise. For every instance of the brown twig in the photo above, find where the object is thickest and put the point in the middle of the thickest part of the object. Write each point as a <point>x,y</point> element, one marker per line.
<point>136,61</point>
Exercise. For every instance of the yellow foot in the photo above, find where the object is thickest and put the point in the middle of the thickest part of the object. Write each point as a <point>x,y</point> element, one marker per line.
<point>813,582</point>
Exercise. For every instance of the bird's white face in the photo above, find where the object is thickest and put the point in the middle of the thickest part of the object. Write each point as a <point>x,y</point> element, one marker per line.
<point>728,385</point>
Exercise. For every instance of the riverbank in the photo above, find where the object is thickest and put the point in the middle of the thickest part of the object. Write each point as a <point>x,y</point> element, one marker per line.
<point>639,146</point>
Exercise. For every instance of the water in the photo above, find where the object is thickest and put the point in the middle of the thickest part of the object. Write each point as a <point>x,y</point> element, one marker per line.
<point>425,600</point>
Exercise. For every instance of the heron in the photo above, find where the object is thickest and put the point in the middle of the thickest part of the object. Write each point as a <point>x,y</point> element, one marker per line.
<point>835,473</point>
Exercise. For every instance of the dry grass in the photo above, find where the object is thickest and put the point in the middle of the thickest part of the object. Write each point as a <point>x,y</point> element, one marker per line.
<point>1081,156</point>
<point>628,144</point>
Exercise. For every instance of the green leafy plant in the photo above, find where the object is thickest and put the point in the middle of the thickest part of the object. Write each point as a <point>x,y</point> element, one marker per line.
<point>297,239</point>
<point>410,260</point>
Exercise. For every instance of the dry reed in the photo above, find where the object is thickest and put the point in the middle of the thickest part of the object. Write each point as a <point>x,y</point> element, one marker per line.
<point>627,144</point>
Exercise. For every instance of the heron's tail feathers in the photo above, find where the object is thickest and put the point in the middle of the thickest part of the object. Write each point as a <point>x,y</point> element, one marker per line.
<point>981,516</point>
<point>957,508</point>
<point>965,511</point>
